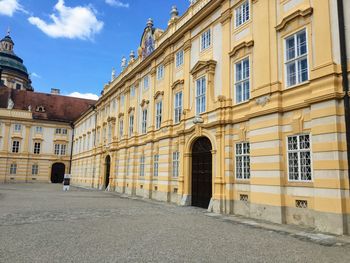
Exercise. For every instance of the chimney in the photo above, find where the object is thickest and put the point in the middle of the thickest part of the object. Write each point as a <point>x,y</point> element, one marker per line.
<point>55,91</point>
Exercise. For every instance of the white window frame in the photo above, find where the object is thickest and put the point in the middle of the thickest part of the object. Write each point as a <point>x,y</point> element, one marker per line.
<point>206,40</point>
<point>121,127</point>
<point>178,106</point>
<point>38,129</point>
<point>13,168</point>
<point>299,151</point>
<point>159,109</point>
<point>132,91</point>
<point>35,169</point>
<point>240,11</point>
<point>176,164</point>
<point>142,166</point>
<point>242,81</point>
<point>146,84</point>
<point>243,172</point>
<point>37,147</point>
<point>144,121</point>
<point>296,59</point>
<point>179,58</point>
<point>201,95</point>
<point>160,72</point>
<point>17,127</point>
<point>16,146</point>
<point>156,165</point>
<point>131,124</point>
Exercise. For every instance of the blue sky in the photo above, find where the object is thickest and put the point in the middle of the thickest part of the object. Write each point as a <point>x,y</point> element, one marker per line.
<point>72,45</point>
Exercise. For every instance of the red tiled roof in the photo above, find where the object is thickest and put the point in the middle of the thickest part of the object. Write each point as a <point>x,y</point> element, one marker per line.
<point>56,107</point>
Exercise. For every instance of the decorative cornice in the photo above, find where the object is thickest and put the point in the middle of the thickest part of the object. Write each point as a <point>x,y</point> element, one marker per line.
<point>168,59</point>
<point>131,109</point>
<point>178,82</point>
<point>143,102</point>
<point>187,45</point>
<point>120,115</point>
<point>158,93</point>
<point>244,44</point>
<point>208,66</point>
<point>298,13</point>
<point>225,16</point>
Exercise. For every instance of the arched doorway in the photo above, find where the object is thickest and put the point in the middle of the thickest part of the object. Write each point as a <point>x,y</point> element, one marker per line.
<point>107,170</point>
<point>57,173</point>
<point>201,172</point>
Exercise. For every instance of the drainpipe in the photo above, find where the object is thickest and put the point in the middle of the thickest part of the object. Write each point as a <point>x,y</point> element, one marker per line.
<point>71,148</point>
<point>344,66</point>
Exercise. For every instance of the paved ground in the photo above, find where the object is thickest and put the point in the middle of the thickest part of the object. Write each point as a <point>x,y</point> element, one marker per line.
<point>40,223</point>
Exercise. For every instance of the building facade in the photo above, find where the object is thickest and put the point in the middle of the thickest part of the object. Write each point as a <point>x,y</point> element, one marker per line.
<point>238,107</point>
<point>36,135</point>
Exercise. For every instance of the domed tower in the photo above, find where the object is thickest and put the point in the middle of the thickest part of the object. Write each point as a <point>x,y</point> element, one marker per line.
<point>13,73</point>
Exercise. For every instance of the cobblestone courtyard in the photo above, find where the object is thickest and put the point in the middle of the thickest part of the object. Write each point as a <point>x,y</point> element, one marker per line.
<point>40,223</point>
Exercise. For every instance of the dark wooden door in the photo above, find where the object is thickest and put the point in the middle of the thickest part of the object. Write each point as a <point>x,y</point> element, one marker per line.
<point>201,173</point>
<point>108,168</point>
<point>57,173</point>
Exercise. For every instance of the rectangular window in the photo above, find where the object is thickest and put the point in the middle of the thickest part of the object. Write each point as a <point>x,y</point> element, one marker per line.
<point>132,91</point>
<point>242,80</point>
<point>13,168</point>
<point>299,158</point>
<point>243,160</point>
<point>63,149</point>
<point>200,95</point>
<point>58,131</point>
<point>64,131</point>
<point>18,127</point>
<point>206,40</point>
<point>160,72</point>
<point>155,165</point>
<point>38,129</point>
<point>60,149</point>
<point>146,82</point>
<point>122,101</point>
<point>144,121</point>
<point>242,13</point>
<point>159,114</point>
<point>179,58</point>
<point>176,162</point>
<point>37,147</point>
<point>15,146</point>
<point>131,124</point>
<point>296,59</point>
<point>121,128</point>
<point>35,169</point>
<point>178,107</point>
<point>142,165</point>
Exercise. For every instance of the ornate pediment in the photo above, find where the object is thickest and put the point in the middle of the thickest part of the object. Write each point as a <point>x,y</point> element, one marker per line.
<point>158,93</point>
<point>244,44</point>
<point>131,109</point>
<point>298,13</point>
<point>207,66</point>
<point>144,102</point>
<point>177,83</point>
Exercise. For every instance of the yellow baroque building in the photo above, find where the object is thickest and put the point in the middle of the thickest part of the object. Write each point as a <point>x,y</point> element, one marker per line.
<point>238,107</point>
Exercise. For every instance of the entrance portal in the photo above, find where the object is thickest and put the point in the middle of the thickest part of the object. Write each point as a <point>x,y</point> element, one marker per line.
<point>201,172</point>
<point>107,170</point>
<point>57,173</point>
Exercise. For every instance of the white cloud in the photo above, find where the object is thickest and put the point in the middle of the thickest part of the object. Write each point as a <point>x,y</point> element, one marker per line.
<point>35,75</point>
<point>117,3</point>
<point>9,7</point>
<point>70,22</point>
<point>89,96</point>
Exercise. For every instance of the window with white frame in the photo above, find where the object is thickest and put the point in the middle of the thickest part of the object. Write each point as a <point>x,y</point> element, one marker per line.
<point>132,91</point>
<point>60,149</point>
<point>122,101</point>
<point>178,107</point>
<point>179,61</point>
<point>176,163</point>
<point>155,165</point>
<point>109,135</point>
<point>242,80</point>
<point>61,131</point>
<point>38,129</point>
<point>13,168</point>
<point>35,169</point>
<point>17,127</point>
<point>201,95</point>
<point>142,165</point>
<point>160,72</point>
<point>146,82</point>
<point>144,121</point>
<point>37,147</point>
<point>159,106</point>
<point>299,158</point>
<point>205,40</point>
<point>296,60</point>
<point>15,146</point>
<point>131,124</point>
<point>121,128</point>
<point>243,160</point>
<point>242,13</point>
